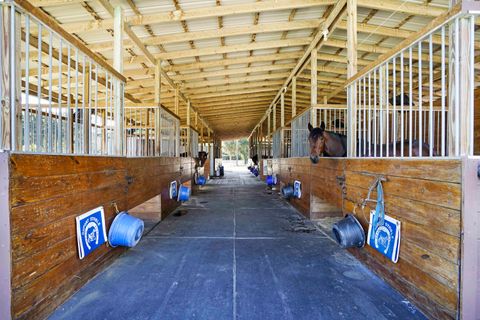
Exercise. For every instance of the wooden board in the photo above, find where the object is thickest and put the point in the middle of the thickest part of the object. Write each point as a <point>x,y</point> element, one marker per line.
<point>425,195</point>
<point>47,193</point>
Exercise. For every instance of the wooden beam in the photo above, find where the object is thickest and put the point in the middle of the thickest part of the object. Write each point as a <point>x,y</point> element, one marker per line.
<point>294,42</point>
<point>215,33</point>
<point>199,13</point>
<point>313,77</point>
<point>351,71</point>
<point>294,96</point>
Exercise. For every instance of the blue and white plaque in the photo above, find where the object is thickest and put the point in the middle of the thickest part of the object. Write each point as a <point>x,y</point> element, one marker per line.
<point>385,238</point>
<point>91,232</point>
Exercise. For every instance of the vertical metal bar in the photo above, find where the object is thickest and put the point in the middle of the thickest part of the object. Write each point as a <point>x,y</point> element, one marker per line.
<point>472,85</point>
<point>410,96</point>
<point>386,118</point>
<point>50,60</point>
<point>59,103</point>
<point>402,102</point>
<point>76,135</point>
<point>420,113</point>
<point>457,89</point>
<point>369,114</point>
<point>375,112</point>
<point>95,138</point>
<point>394,115</point>
<point>381,88</point>
<point>84,101</point>
<point>26,133</point>
<point>430,115</point>
<point>68,138</point>
<point>38,140</point>
<point>443,92</point>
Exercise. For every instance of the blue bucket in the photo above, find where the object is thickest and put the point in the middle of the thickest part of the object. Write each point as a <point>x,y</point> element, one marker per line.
<point>183,193</point>
<point>271,180</point>
<point>125,231</point>
<point>201,180</point>
<point>255,172</point>
<point>287,191</point>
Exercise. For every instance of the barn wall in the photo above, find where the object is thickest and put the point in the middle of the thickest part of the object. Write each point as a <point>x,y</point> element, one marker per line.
<point>47,193</point>
<point>425,195</point>
<point>290,169</point>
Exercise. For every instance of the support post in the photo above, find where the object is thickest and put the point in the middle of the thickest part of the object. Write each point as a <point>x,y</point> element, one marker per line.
<point>282,110</point>
<point>351,71</point>
<point>118,25</point>
<point>313,86</point>
<point>15,80</point>
<point>158,117</point>
<point>176,100</point>
<point>460,127</point>
<point>268,123</point>
<point>274,117</point>
<point>294,97</point>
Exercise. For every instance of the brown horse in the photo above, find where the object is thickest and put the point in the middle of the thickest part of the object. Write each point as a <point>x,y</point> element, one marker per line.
<point>331,144</point>
<point>326,143</point>
<point>201,159</point>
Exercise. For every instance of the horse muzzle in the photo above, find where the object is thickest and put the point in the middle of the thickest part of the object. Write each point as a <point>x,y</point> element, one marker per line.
<point>314,159</point>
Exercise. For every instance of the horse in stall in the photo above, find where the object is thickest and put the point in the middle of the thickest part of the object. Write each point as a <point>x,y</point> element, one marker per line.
<point>330,144</point>
<point>201,159</point>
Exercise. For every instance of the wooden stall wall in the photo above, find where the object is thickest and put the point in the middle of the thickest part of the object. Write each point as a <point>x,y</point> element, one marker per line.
<point>290,169</point>
<point>46,194</point>
<point>326,188</point>
<point>425,195</point>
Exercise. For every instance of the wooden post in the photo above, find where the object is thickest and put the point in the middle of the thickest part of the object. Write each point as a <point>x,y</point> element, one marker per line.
<point>282,110</point>
<point>351,71</point>
<point>176,100</point>
<point>313,86</point>
<point>313,80</point>
<point>274,117</point>
<point>268,122</point>
<point>294,97</point>
<point>118,28</point>
<point>15,80</point>
<point>158,117</point>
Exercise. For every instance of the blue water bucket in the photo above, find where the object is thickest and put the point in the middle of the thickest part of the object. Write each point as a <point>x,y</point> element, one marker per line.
<point>201,180</point>
<point>126,230</point>
<point>271,180</point>
<point>183,193</point>
<point>287,191</point>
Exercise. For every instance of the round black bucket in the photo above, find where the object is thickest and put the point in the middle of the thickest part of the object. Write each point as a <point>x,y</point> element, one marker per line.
<point>349,232</point>
<point>287,191</point>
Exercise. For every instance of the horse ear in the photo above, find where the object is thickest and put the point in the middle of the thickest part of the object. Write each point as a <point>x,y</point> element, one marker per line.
<point>310,127</point>
<point>322,126</point>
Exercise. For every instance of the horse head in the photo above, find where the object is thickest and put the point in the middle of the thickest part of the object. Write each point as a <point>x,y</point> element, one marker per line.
<point>317,141</point>
<point>201,159</point>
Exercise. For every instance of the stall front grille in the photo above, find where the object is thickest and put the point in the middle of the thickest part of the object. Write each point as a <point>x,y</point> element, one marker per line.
<point>420,101</point>
<point>58,98</point>
<point>333,116</point>
<point>145,126</point>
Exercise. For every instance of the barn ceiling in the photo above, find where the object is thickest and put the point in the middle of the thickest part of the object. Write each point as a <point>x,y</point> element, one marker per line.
<point>231,57</point>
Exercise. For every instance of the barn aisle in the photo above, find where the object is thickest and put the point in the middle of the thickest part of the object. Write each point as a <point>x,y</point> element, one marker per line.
<point>236,252</point>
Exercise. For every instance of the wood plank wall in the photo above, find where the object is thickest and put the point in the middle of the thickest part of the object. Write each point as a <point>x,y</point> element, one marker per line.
<point>425,195</point>
<point>47,193</point>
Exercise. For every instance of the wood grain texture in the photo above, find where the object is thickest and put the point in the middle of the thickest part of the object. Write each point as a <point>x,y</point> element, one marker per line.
<point>48,192</point>
<point>425,195</point>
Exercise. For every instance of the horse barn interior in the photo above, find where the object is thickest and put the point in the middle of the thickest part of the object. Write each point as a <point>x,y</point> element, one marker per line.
<point>363,125</point>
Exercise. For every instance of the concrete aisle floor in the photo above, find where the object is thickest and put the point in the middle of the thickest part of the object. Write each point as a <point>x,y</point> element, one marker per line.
<point>234,255</point>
